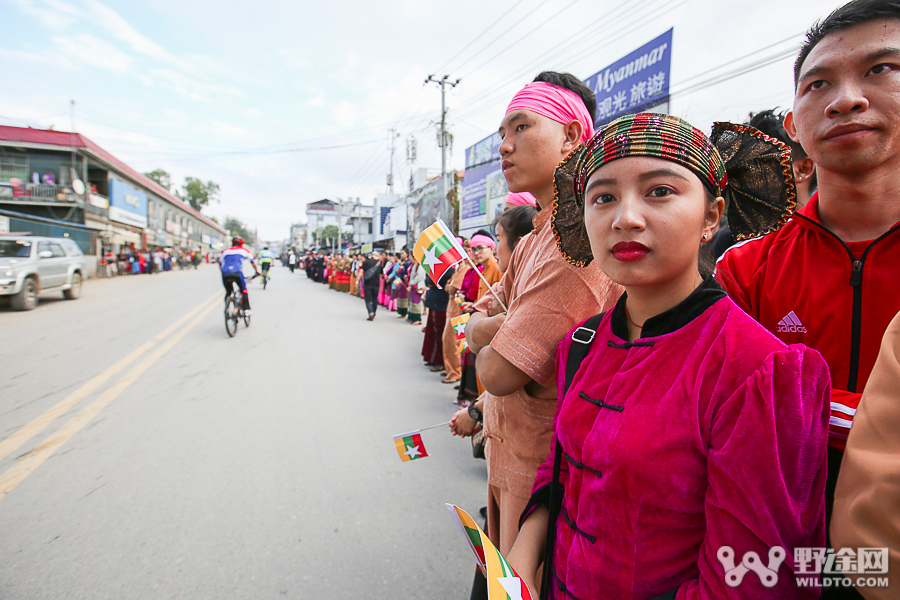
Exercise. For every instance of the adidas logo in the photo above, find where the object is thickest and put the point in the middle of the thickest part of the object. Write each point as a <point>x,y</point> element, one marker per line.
<point>791,324</point>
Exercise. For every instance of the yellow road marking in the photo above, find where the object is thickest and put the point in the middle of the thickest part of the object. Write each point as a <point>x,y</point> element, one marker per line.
<point>26,432</point>
<point>15,474</point>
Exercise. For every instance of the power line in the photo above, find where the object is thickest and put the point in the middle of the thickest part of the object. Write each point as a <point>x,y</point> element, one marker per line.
<point>499,36</point>
<point>605,21</point>
<point>542,24</point>
<point>488,28</point>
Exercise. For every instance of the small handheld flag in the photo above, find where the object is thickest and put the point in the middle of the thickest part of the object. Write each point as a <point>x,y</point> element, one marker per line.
<point>459,326</point>
<point>410,446</point>
<point>503,582</point>
<point>437,251</point>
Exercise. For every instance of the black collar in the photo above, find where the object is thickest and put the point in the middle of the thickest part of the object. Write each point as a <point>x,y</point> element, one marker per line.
<point>707,293</point>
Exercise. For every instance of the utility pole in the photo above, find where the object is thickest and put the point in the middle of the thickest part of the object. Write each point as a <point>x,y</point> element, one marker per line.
<point>340,205</point>
<point>390,181</point>
<point>443,82</point>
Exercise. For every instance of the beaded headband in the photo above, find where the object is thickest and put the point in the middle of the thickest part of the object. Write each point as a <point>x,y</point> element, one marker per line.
<point>753,167</point>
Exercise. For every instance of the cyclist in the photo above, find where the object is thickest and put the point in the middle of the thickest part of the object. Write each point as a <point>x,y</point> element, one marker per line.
<point>265,259</point>
<point>230,263</point>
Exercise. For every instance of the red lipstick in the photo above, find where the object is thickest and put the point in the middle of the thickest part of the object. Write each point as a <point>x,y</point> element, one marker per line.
<point>629,251</point>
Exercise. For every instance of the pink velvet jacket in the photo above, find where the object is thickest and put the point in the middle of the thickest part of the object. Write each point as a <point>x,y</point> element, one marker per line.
<point>706,432</point>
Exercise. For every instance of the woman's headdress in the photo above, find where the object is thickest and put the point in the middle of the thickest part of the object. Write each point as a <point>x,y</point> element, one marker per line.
<point>751,167</point>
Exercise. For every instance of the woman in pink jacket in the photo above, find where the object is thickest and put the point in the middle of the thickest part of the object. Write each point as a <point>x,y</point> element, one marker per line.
<point>686,435</point>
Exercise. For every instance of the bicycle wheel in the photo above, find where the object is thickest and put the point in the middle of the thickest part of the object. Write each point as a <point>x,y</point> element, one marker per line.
<point>246,318</point>
<point>265,280</point>
<point>231,316</point>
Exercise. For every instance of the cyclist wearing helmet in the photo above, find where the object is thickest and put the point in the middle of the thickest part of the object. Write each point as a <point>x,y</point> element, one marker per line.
<point>265,259</point>
<point>230,263</point>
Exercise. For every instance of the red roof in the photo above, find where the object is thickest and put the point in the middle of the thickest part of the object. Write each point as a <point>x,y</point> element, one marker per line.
<point>27,135</point>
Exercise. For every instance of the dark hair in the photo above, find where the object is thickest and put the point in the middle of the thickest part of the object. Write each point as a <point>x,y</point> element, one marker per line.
<point>570,82</point>
<point>853,13</point>
<point>516,222</point>
<point>484,232</point>
<point>772,124</point>
<point>706,262</point>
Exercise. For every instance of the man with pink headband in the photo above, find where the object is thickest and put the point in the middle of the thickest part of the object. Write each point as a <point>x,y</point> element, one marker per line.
<point>545,295</point>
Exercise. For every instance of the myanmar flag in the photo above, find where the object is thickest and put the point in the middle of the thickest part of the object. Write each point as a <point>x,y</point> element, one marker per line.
<point>410,446</point>
<point>437,251</point>
<point>503,582</point>
<point>459,326</point>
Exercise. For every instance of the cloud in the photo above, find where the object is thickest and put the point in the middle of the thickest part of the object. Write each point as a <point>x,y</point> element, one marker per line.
<point>293,58</point>
<point>43,58</point>
<point>318,99</point>
<point>252,112</point>
<point>345,114</point>
<point>227,129</point>
<point>91,51</point>
<point>186,85</point>
<point>52,14</point>
<point>117,26</point>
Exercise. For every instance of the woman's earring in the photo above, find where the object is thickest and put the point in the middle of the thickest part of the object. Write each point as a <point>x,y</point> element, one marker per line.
<point>705,235</point>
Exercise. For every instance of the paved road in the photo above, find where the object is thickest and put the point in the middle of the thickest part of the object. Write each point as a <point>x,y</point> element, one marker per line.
<point>143,454</point>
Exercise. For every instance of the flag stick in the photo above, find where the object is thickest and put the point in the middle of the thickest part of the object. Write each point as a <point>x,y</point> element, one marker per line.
<point>489,287</point>
<point>434,426</point>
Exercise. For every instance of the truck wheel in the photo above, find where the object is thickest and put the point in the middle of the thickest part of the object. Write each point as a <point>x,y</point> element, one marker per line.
<point>28,297</point>
<point>75,291</point>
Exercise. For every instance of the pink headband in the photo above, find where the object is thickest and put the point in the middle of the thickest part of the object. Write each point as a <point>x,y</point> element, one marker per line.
<point>554,102</point>
<point>514,199</point>
<point>482,240</point>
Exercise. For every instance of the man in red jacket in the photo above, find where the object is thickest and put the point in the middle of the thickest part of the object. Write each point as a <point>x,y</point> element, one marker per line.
<point>830,278</point>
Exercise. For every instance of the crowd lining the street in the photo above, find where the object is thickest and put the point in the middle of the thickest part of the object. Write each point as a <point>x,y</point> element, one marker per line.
<point>644,408</point>
<point>133,261</point>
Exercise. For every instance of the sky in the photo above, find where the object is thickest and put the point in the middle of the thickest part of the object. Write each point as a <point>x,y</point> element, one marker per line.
<point>285,103</point>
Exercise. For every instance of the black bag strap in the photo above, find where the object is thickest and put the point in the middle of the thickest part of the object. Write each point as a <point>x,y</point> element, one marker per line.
<point>582,338</point>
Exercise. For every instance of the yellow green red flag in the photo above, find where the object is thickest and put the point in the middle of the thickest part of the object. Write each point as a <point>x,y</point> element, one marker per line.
<point>503,582</point>
<point>437,251</point>
<point>410,446</point>
<point>459,326</point>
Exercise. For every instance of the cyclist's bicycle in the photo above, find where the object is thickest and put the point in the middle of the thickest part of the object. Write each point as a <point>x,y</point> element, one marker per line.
<point>234,310</point>
<point>265,277</point>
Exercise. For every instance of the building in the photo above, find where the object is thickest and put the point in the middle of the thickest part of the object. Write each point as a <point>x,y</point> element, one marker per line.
<point>390,226</point>
<point>351,217</point>
<point>298,237</point>
<point>40,171</point>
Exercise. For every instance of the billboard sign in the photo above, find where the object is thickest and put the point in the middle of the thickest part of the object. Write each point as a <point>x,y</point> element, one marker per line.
<point>127,204</point>
<point>484,187</point>
<point>426,205</point>
<point>634,83</point>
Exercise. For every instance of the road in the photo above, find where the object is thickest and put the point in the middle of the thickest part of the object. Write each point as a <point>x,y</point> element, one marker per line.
<point>144,454</point>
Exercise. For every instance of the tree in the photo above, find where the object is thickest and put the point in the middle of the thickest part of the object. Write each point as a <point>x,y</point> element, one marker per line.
<point>162,178</point>
<point>238,227</point>
<point>198,194</point>
<point>329,233</point>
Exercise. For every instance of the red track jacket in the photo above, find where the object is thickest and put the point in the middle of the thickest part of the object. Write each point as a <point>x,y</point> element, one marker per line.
<point>806,285</point>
